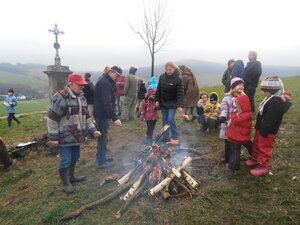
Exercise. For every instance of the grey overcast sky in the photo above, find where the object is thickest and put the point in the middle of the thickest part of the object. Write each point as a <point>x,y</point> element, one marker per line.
<point>97,32</point>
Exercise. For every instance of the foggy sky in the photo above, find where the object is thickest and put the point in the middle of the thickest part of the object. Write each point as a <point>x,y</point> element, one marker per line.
<point>97,33</point>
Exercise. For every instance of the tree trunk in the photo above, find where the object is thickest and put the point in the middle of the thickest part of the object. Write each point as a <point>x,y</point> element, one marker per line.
<point>152,64</point>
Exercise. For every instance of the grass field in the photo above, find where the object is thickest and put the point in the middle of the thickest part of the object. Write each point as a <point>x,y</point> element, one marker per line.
<point>31,194</point>
<point>28,106</point>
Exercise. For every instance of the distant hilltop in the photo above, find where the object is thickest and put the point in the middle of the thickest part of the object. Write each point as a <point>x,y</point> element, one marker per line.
<point>208,73</point>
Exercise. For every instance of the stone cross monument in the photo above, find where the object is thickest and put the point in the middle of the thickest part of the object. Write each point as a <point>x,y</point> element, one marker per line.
<point>57,74</point>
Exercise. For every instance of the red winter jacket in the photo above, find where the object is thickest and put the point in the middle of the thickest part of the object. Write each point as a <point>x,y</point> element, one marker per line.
<point>241,121</point>
<point>149,111</point>
<point>120,83</point>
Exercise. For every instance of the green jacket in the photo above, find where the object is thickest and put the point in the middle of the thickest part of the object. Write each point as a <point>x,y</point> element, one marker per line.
<point>131,86</point>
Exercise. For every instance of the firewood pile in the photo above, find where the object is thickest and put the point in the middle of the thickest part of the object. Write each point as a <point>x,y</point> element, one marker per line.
<point>156,173</point>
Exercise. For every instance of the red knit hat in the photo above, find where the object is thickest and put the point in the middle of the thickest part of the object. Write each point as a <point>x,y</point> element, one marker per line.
<point>76,78</point>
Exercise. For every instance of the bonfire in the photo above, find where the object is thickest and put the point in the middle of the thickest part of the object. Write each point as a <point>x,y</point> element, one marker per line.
<point>155,173</point>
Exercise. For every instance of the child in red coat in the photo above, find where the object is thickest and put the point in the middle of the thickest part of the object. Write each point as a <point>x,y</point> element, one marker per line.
<point>239,129</point>
<point>149,114</point>
<point>270,114</point>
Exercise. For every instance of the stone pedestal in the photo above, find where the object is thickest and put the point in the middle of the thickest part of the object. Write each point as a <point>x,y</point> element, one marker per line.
<point>57,76</point>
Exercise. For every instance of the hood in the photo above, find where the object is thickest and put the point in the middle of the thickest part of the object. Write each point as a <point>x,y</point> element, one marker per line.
<point>244,103</point>
<point>214,96</point>
<point>153,80</point>
<point>132,70</point>
<point>185,70</point>
<point>151,91</point>
<point>240,62</point>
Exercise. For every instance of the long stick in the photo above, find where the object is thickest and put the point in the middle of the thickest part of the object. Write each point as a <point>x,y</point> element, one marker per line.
<point>101,201</point>
<point>135,195</point>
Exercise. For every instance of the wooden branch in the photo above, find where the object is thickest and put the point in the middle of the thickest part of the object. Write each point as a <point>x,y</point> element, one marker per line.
<point>124,208</point>
<point>101,201</point>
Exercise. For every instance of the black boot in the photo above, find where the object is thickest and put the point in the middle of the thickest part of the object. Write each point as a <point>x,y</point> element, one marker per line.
<point>248,146</point>
<point>74,179</point>
<point>234,156</point>
<point>226,151</point>
<point>65,179</point>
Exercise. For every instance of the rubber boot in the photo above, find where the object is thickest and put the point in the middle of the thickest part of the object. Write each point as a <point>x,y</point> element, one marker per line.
<point>251,162</point>
<point>259,171</point>
<point>226,151</point>
<point>234,156</point>
<point>74,179</point>
<point>65,179</point>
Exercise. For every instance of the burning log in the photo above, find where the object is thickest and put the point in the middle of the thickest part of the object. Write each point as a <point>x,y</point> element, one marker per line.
<point>169,179</point>
<point>155,172</point>
<point>125,178</point>
<point>192,182</point>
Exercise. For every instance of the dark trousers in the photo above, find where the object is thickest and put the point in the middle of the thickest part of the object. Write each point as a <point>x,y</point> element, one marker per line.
<point>226,150</point>
<point>102,126</point>
<point>234,156</point>
<point>250,91</point>
<point>11,116</point>
<point>150,128</point>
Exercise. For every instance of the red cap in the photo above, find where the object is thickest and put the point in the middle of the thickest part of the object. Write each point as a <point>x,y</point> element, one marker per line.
<point>76,78</point>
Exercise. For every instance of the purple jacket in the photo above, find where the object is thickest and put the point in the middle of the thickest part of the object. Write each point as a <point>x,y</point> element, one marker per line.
<point>226,108</point>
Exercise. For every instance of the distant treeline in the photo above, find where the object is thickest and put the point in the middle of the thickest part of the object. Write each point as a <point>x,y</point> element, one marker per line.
<point>21,89</point>
<point>20,68</point>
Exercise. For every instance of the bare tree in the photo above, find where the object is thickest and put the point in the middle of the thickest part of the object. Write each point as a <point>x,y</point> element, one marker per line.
<point>154,28</point>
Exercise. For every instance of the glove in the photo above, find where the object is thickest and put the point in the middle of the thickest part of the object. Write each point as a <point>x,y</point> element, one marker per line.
<point>222,119</point>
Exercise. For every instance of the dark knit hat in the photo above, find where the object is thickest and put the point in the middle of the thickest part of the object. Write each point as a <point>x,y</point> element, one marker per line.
<point>87,75</point>
<point>235,82</point>
<point>11,90</point>
<point>116,69</point>
<point>132,70</point>
<point>271,84</point>
<point>213,97</point>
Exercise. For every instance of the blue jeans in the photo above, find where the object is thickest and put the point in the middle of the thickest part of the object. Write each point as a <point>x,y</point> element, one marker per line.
<point>102,126</point>
<point>168,118</point>
<point>68,156</point>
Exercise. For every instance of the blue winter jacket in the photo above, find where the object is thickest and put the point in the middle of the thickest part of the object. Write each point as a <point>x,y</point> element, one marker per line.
<point>13,103</point>
<point>238,69</point>
<point>153,83</point>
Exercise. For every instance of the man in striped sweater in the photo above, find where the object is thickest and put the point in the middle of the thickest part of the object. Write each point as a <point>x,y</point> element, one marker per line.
<point>68,124</point>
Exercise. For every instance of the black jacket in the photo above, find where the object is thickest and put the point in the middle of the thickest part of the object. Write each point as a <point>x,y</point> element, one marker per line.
<point>226,79</point>
<point>170,91</point>
<point>104,98</point>
<point>142,91</point>
<point>252,73</point>
<point>88,91</point>
<point>270,120</point>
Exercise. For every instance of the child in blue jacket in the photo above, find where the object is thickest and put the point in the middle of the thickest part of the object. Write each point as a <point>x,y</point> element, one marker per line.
<point>11,104</point>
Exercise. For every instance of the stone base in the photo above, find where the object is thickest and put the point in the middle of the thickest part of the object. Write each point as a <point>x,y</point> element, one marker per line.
<point>58,76</point>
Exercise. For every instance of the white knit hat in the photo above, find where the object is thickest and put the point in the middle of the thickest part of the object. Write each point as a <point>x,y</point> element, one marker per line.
<point>272,84</point>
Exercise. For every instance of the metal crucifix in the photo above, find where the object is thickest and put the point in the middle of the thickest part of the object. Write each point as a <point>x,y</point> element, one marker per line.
<point>56,45</point>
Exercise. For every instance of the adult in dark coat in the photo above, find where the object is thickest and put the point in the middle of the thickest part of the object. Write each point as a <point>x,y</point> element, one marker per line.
<point>140,96</point>
<point>88,92</point>
<point>191,91</point>
<point>169,97</point>
<point>104,104</point>
<point>226,79</point>
<point>253,72</point>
